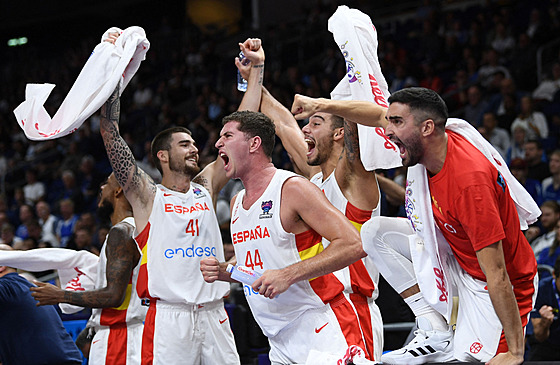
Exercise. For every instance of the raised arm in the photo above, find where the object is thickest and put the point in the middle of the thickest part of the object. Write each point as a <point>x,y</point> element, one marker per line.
<point>122,256</point>
<point>305,207</point>
<point>361,112</point>
<point>213,178</point>
<point>138,187</point>
<point>289,132</point>
<point>253,72</point>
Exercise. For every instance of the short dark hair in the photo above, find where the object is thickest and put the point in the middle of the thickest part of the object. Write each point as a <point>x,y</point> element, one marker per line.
<point>423,100</point>
<point>337,121</point>
<point>255,124</point>
<point>162,141</point>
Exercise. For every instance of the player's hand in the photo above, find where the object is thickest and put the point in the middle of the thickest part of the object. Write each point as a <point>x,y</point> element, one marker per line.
<point>210,268</point>
<point>304,106</point>
<point>46,294</point>
<point>244,67</point>
<point>271,283</point>
<point>112,38</point>
<point>506,358</point>
<point>253,50</point>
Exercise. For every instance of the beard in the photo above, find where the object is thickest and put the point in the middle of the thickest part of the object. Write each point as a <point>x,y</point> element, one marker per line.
<point>414,151</point>
<point>322,154</point>
<point>105,211</point>
<point>179,165</point>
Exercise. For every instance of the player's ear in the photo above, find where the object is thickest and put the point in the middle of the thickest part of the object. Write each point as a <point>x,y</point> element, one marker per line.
<point>256,142</point>
<point>163,156</point>
<point>338,133</point>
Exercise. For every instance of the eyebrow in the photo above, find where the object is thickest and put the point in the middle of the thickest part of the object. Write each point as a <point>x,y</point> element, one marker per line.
<point>394,117</point>
<point>317,116</point>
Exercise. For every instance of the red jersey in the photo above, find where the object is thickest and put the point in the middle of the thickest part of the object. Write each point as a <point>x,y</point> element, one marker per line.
<point>473,209</point>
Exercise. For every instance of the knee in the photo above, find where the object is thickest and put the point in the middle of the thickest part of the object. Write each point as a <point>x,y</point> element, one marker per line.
<point>371,232</point>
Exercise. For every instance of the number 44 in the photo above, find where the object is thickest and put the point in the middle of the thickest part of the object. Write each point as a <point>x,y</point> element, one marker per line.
<point>253,260</point>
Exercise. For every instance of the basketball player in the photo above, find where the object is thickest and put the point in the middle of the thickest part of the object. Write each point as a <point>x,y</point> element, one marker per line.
<point>118,315</point>
<point>327,153</point>
<point>177,227</point>
<point>493,266</point>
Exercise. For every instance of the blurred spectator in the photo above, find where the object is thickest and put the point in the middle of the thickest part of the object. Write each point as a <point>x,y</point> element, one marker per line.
<point>502,42</point>
<point>534,121</point>
<point>535,158</point>
<point>519,169</point>
<point>48,223</point>
<point>537,28</point>
<point>498,103</point>
<point>476,106</point>
<point>82,240</point>
<point>523,64</point>
<point>65,228</point>
<point>30,334</point>
<point>548,88</point>
<point>549,255</point>
<point>545,343</point>
<point>26,244</point>
<point>547,222</point>
<point>70,190</point>
<point>90,180</point>
<point>551,185</point>
<point>491,65</point>
<point>33,190</point>
<point>498,137</point>
<point>8,236</point>
<point>402,79</point>
<point>26,215</point>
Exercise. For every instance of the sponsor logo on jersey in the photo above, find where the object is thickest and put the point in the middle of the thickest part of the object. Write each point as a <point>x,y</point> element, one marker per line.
<point>250,234</point>
<point>198,193</point>
<point>501,182</point>
<point>181,209</point>
<point>266,207</point>
<point>192,251</point>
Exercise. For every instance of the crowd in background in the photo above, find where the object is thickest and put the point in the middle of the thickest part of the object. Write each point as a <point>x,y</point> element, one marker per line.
<point>483,60</point>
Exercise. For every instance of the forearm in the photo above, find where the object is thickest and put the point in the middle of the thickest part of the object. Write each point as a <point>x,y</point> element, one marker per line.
<point>287,129</point>
<point>102,298</point>
<point>339,254</point>
<point>541,329</point>
<point>252,98</point>
<point>361,112</point>
<point>505,305</point>
<point>120,156</point>
<point>394,192</point>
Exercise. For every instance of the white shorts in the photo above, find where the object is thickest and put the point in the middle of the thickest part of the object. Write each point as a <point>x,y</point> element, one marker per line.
<point>479,333</point>
<point>116,345</point>
<point>318,329</point>
<point>188,334</point>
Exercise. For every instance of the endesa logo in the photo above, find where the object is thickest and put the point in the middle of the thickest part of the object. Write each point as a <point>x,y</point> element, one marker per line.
<point>180,252</point>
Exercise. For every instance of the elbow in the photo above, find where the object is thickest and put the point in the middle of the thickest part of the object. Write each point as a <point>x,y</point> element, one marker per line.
<point>358,252</point>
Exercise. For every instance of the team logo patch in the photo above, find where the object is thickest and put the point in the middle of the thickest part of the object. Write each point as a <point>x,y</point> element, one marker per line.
<point>266,207</point>
<point>475,347</point>
<point>501,182</point>
<point>198,193</point>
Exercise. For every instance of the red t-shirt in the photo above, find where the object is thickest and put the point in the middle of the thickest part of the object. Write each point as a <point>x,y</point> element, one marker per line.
<point>473,209</point>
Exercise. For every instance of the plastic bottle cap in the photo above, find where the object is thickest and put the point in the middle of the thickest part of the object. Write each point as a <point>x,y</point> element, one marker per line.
<point>229,268</point>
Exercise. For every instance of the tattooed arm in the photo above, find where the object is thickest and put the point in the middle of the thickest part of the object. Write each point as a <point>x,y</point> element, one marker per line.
<point>138,187</point>
<point>122,256</point>
<point>358,185</point>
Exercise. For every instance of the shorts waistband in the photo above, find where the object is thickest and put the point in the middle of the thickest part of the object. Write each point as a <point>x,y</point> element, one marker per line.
<point>161,305</point>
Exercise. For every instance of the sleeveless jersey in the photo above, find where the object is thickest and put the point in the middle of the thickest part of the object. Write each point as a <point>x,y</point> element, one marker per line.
<point>131,310</point>
<point>260,242</point>
<point>361,276</point>
<point>182,230</point>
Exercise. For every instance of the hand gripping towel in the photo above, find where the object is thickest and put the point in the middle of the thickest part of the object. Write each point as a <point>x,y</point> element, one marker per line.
<point>356,37</point>
<point>430,251</point>
<point>77,270</point>
<point>108,65</point>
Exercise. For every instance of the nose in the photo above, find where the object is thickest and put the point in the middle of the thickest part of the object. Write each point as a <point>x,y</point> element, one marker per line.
<point>219,143</point>
<point>389,130</point>
<point>305,128</point>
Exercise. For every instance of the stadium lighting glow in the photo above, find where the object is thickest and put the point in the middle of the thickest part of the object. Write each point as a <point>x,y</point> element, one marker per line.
<point>17,41</point>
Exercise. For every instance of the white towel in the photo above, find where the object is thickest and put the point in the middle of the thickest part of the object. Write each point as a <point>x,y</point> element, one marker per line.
<point>77,270</point>
<point>107,66</point>
<point>356,37</point>
<point>430,251</point>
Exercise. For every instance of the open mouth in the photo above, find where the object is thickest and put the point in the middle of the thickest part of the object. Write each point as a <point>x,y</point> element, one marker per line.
<point>400,146</point>
<point>224,158</point>
<point>310,145</point>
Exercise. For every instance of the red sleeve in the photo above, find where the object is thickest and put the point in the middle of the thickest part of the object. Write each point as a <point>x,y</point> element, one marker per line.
<point>478,211</point>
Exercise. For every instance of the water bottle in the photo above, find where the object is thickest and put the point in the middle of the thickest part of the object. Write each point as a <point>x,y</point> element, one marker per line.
<point>243,274</point>
<point>241,82</point>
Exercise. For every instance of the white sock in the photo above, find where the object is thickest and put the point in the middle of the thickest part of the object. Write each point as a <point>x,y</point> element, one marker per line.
<point>421,308</point>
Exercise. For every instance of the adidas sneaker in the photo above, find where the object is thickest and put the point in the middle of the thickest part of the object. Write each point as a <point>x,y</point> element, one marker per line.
<point>428,345</point>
